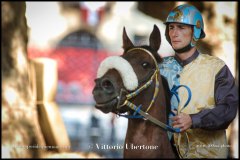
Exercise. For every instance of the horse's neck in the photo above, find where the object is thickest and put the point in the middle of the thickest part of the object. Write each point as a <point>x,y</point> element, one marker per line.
<point>145,127</point>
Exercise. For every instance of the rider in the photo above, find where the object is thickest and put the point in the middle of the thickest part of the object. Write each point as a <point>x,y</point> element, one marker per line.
<point>214,97</point>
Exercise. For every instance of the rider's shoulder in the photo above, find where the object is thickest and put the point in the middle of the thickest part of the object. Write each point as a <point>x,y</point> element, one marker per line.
<point>168,62</point>
<point>168,59</point>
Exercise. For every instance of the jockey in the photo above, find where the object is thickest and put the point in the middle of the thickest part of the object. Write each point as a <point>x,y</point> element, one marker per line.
<point>214,96</point>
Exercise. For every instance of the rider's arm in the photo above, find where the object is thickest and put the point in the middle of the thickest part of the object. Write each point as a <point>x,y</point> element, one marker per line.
<point>226,100</point>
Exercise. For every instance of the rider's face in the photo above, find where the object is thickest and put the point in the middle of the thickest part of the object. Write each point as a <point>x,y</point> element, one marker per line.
<point>180,35</point>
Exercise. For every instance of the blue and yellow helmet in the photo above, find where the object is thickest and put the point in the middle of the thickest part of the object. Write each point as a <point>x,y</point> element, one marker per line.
<point>187,14</point>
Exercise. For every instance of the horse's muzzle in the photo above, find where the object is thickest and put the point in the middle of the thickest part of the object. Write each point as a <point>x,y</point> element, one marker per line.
<point>105,95</point>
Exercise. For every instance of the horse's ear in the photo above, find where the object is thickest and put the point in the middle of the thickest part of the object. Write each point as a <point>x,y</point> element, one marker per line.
<point>126,41</point>
<point>155,38</point>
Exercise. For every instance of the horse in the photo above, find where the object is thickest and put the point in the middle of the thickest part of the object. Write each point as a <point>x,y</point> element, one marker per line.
<point>132,82</point>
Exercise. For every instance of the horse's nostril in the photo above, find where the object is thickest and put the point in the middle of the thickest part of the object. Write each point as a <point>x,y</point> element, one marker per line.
<point>106,84</point>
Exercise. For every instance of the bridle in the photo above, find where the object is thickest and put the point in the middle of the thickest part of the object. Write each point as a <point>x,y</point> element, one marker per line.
<point>138,110</point>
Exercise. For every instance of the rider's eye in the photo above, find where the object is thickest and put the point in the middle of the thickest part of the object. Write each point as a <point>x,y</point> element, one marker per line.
<point>145,64</point>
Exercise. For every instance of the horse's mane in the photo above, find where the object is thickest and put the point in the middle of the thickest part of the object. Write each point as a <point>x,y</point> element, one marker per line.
<point>167,95</point>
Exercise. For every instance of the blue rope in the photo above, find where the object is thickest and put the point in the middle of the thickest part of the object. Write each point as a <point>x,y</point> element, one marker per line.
<point>174,92</point>
<point>137,109</point>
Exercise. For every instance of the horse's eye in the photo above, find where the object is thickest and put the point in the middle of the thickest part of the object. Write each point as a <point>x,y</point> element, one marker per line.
<point>145,64</point>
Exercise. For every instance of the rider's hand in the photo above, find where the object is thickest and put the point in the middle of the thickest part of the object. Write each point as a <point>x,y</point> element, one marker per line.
<point>182,121</point>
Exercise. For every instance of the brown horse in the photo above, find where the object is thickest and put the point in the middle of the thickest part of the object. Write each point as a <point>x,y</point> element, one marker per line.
<point>130,80</point>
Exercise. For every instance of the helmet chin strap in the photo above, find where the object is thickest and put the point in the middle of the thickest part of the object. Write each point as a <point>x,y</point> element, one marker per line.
<point>184,49</point>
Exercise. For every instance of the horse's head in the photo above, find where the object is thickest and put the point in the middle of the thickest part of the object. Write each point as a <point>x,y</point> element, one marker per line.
<point>120,75</point>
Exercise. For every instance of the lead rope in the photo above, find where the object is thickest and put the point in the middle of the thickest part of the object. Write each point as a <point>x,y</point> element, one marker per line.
<point>178,145</point>
<point>179,135</point>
